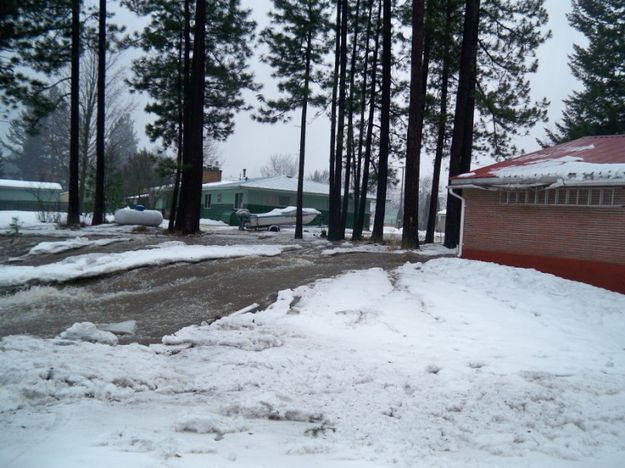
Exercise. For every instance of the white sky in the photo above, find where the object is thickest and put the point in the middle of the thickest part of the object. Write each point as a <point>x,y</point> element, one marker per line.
<point>253,143</point>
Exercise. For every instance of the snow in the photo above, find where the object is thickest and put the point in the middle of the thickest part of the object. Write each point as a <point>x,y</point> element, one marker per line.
<point>581,148</point>
<point>87,331</point>
<point>280,183</point>
<point>97,264</point>
<point>567,167</point>
<point>31,223</point>
<point>71,244</point>
<point>127,327</point>
<point>213,222</point>
<point>289,211</point>
<point>30,184</point>
<point>428,250</point>
<point>444,364</point>
<point>26,219</point>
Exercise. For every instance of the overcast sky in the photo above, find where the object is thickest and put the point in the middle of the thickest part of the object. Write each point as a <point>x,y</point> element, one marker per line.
<point>253,143</point>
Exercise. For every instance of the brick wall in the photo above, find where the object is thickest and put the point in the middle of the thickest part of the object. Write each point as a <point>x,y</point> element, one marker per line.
<point>580,243</point>
<point>581,233</point>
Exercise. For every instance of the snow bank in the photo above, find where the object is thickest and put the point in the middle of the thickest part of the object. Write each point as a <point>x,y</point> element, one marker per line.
<point>91,265</point>
<point>444,364</point>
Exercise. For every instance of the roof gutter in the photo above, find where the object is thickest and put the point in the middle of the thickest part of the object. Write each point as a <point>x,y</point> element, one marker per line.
<point>587,183</point>
<point>463,201</point>
<point>469,186</point>
<point>498,184</point>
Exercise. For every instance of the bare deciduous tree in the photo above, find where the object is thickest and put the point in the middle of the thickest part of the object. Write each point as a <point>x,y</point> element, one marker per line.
<point>280,164</point>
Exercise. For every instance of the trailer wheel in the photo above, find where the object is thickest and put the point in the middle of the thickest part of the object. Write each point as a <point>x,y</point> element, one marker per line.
<point>274,228</point>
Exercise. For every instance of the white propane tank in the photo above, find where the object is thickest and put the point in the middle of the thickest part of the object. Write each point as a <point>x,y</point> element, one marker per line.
<point>142,218</point>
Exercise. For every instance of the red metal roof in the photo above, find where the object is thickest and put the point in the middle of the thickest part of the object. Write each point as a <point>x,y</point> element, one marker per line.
<point>584,152</point>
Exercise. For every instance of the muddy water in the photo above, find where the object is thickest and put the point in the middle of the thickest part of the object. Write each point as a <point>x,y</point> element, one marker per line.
<point>166,298</point>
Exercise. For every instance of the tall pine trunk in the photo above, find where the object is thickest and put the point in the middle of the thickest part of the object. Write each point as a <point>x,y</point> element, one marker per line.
<point>364,187</point>
<point>380,204</point>
<point>350,123</point>
<point>460,154</point>
<point>186,135</point>
<point>410,235</point>
<point>334,229</point>
<point>335,81</point>
<point>98,203</point>
<point>183,84</point>
<point>73,208</point>
<point>192,175</point>
<point>442,129</point>
<point>363,105</point>
<point>299,231</point>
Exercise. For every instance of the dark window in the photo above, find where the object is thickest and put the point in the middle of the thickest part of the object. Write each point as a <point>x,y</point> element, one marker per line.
<point>238,200</point>
<point>207,200</point>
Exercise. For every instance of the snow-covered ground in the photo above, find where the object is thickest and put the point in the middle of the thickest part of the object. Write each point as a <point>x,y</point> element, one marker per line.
<point>32,222</point>
<point>29,220</point>
<point>428,250</point>
<point>442,364</point>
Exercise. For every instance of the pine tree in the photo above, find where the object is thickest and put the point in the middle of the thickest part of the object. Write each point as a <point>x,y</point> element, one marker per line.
<point>73,207</point>
<point>334,191</point>
<point>191,188</point>
<point>599,108</point>
<point>334,225</point>
<point>296,51</point>
<point>161,72</point>
<point>98,203</point>
<point>442,51</point>
<point>368,143</point>
<point>463,119</point>
<point>357,226</point>
<point>509,36</point>
<point>385,111</point>
<point>35,34</point>
<point>410,235</point>
<point>349,159</point>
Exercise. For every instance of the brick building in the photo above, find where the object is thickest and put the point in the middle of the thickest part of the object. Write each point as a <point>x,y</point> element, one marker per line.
<point>560,210</point>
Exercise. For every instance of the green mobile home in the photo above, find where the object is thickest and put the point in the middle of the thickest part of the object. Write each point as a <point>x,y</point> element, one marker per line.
<point>220,200</point>
<point>26,195</point>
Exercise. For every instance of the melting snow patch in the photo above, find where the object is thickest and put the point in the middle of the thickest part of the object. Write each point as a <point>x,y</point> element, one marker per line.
<point>87,331</point>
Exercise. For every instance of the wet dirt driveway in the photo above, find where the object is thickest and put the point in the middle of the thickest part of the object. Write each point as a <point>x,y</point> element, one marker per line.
<point>163,299</point>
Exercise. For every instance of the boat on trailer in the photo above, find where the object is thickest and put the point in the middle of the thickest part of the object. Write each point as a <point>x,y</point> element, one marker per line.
<point>272,220</point>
